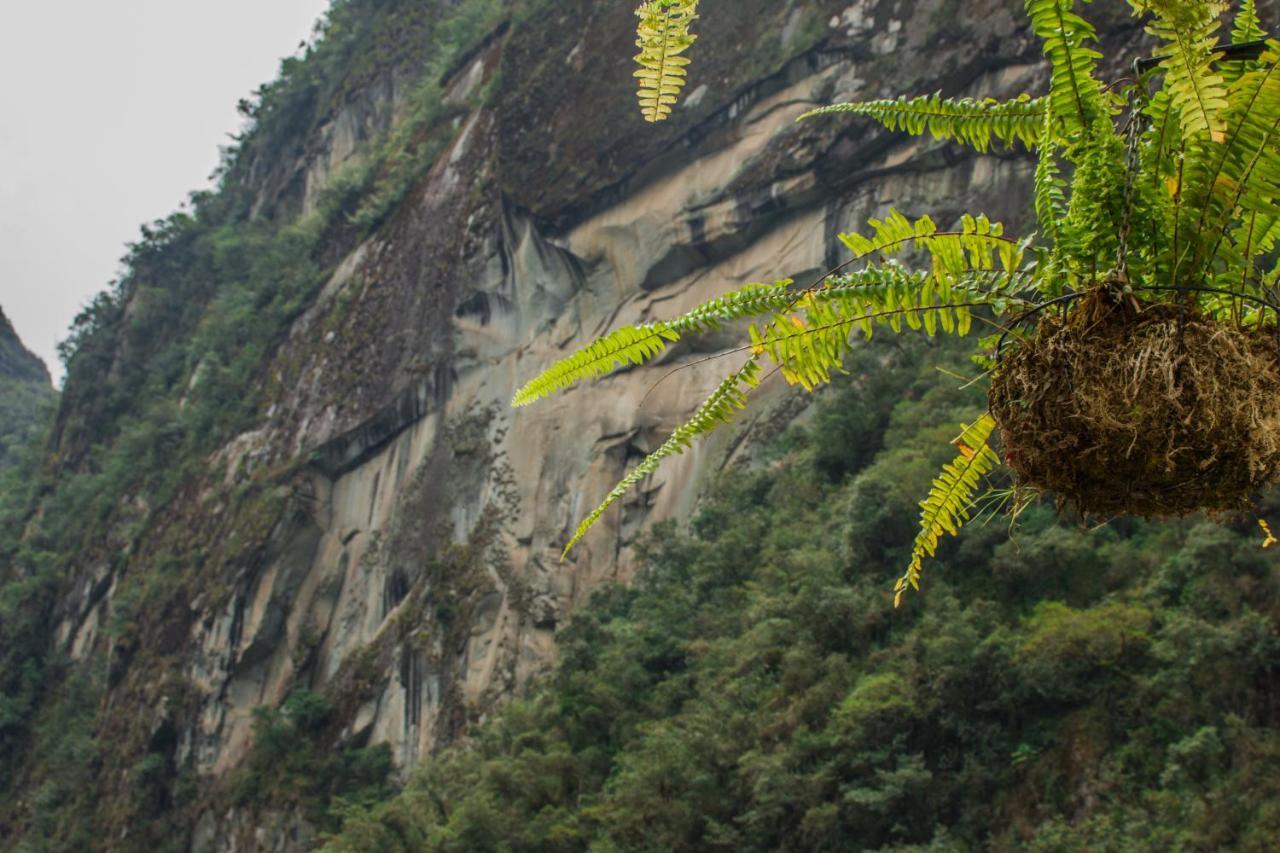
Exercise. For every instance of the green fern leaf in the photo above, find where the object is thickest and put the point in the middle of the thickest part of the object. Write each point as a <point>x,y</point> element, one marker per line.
<point>663,36</point>
<point>1050,190</point>
<point>811,341</point>
<point>1247,26</point>
<point>728,399</point>
<point>950,499</point>
<point>636,345</point>
<point>1188,31</point>
<point>1075,96</point>
<point>973,122</point>
<point>1238,176</point>
<point>953,253</point>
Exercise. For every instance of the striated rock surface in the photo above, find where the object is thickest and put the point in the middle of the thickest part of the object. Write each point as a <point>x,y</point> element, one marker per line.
<point>394,385</point>
<point>398,550</point>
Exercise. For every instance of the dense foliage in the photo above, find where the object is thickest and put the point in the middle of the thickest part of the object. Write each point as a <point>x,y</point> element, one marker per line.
<point>26,396</point>
<point>1056,688</point>
<point>293,763</point>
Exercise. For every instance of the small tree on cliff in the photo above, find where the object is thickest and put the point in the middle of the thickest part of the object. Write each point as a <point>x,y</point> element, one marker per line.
<point>1132,360</point>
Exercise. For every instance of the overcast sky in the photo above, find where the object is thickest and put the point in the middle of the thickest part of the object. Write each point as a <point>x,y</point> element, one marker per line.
<point>110,113</point>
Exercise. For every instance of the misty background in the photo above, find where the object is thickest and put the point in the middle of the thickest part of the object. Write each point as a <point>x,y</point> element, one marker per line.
<point>110,115</point>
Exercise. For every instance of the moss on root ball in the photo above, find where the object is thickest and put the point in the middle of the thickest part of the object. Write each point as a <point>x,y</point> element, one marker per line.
<point>1130,408</point>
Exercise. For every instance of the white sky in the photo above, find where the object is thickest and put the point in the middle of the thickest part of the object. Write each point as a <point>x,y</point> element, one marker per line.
<point>110,114</point>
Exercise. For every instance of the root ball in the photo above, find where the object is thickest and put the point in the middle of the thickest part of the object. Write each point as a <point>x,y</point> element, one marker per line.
<point>1126,408</point>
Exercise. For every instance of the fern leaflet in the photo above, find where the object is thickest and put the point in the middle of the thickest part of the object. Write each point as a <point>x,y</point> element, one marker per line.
<point>950,499</point>
<point>1075,97</point>
<point>973,122</point>
<point>663,36</point>
<point>636,345</point>
<point>728,399</point>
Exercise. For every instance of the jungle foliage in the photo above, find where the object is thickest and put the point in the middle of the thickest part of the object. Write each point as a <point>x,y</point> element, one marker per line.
<point>26,397</point>
<point>1174,176</point>
<point>1055,688</point>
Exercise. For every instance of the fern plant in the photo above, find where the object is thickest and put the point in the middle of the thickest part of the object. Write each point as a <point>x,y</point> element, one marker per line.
<point>1175,178</point>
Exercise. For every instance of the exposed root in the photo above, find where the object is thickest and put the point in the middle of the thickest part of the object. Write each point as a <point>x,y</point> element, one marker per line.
<point>1140,409</point>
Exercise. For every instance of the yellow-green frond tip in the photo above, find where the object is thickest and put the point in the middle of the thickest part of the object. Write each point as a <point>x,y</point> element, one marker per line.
<point>950,499</point>
<point>663,36</point>
<point>729,398</point>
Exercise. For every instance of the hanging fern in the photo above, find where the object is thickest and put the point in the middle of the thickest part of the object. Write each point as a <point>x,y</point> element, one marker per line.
<point>950,498</point>
<point>1180,193</point>
<point>663,37</point>
<point>973,122</point>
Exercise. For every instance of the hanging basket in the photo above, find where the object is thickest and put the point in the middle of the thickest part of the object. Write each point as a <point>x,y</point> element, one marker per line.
<point>1130,408</point>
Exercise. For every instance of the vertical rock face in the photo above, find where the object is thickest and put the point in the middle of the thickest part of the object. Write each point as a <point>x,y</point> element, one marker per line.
<point>405,557</point>
<point>25,391</point>
<point>539,228</point>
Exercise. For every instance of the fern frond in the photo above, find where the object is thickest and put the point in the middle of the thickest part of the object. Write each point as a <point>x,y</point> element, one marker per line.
<point>1267,233</point>
<point>972,122</point>
<point>953,252</point>
<point>1075,96</point>
<point>811,342</point>
<point>728,399</point>
<point>1188,31</point>
<point>663,36</point>
<point>1247,26</point>
<point>950,499</point>
<point>890,235</point>
<point>1050,190</point>
<point>1240,176</point>
<point>636,345</point>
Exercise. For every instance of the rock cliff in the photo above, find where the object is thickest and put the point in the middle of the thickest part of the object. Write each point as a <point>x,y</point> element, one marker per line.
<point>381,528</point>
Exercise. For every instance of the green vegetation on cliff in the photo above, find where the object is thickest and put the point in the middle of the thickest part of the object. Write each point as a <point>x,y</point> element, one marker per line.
<point>1055,689</point>
<point>163,368</point>
<point>26,396</point>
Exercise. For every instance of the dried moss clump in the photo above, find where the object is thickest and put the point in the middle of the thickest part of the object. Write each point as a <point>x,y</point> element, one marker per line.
<point>1130,408</point>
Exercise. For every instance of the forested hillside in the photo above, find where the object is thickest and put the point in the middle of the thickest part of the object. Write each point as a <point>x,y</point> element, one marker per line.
<point>25,394</point>
<point>283,568</point>
<point>1056,688</point>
